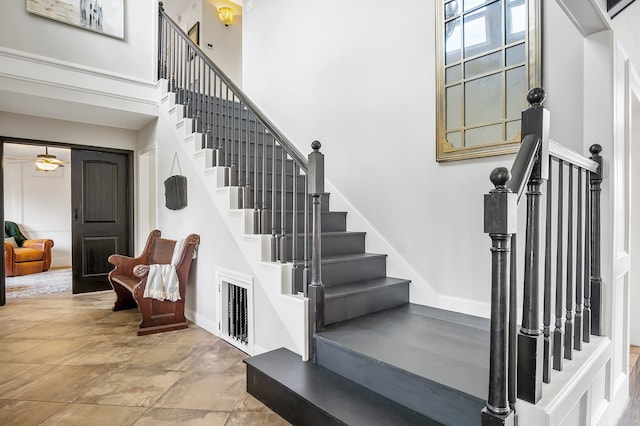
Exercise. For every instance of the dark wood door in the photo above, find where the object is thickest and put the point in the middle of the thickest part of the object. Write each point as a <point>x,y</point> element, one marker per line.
<point>102,215</point>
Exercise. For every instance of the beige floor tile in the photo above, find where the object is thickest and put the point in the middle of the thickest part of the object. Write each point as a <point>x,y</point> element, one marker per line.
<point>9,327</point>
<point>221,357</point>
<point>172,416</point>
<point>52,352</point>
<point>85,414</point>
<point>249,403</point>
<point>44,331</point>
<point>192,336</point>
<point>635,349</point>
<point>205,391</point>
<point>11,349</point>
<point>109,351</point>
<point>167,356</point>
<point>15,376</point>
<point>62,383</point>
<point>25,413</point>
<point>255,419</point>
<point>132,387</point>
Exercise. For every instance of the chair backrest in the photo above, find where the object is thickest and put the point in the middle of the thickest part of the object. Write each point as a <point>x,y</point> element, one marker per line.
<point>161,251</point>
<point>11,229</point>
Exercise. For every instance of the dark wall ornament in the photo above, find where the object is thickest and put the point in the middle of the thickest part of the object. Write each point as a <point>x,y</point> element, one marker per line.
<point>175,188</point>
<point>616,6</point>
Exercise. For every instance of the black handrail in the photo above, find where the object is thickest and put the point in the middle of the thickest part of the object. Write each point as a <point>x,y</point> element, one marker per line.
<point>238,93</point>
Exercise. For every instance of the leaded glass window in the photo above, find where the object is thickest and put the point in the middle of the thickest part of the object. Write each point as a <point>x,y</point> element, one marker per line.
<point>488,54</point>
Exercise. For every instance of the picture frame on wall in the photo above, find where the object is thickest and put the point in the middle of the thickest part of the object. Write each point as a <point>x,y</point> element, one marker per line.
<point>194,36</point>
<point>616,6</point>
<point>100,16</point>
<point>194,33</point>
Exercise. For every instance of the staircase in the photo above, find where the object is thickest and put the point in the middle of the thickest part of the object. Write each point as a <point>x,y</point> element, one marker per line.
<point>379,359</point>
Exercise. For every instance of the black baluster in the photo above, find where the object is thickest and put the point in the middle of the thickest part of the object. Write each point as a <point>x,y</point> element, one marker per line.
<point>275,253</point>
<point>568,324</point>
<point>283,208</point>
<point>586,320</point>
<point>577,337</point>
<point>557,333</point>
<point>546,367</point>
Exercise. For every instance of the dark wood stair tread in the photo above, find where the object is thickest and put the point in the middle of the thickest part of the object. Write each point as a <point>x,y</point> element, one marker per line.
<point>314,395</point>
<point>361,286</point>
<point>445,347</point>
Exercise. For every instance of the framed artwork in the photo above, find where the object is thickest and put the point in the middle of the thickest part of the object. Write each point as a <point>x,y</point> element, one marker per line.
<point>615,6</point>
<point>194,33</point>
<point>101,16</point>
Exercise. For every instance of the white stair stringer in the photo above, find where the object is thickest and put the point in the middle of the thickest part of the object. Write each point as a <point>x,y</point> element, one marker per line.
<point>273,277</point>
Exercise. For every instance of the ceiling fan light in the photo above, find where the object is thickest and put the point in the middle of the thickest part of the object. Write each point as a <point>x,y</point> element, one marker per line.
<point>45,166</point>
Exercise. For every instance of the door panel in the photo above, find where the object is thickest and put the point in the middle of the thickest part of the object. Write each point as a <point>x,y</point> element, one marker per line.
<point>102,215</point>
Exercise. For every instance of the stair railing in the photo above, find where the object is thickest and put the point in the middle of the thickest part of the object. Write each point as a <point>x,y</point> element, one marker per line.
<point>571,223</point>
<point>239,137</point>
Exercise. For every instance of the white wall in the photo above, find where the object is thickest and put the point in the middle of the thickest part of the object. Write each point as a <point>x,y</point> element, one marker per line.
<point>37,201</point>
<point>218,247</point>
<point>133,56</point>
<point>45,129</point>
<point>369,97</point>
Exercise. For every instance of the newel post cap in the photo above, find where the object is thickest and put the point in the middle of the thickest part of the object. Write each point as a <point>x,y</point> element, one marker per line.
<point>500,205</point>
<point>315,170</point>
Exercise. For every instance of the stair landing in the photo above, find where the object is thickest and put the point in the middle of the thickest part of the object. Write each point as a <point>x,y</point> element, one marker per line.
<point>426,365</point>
<point>443,346</point>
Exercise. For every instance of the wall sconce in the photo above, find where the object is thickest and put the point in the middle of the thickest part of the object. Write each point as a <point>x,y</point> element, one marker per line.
<point>226,15</point>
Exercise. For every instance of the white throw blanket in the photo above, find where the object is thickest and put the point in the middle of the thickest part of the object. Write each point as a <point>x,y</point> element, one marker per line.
<point>162,282</point>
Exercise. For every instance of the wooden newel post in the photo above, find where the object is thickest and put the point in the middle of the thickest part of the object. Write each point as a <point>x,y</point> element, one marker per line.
<point>315,188</point>
<point>595,276</point>
<point>500,223</point>
<point>535,120</point>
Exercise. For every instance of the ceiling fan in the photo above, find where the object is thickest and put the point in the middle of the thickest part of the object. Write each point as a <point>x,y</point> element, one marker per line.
<point>44,162</point>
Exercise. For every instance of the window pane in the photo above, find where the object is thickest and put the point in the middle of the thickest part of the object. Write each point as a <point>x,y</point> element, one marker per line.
<point>453,74</point>
<point>513,131</point>
<point>516,92</point>
<point>454,107</point>
<point>516,55</point>
<point>455,139</point>
<point>483,65</point>
<point>483,100</point>
<point>516,21</point>
<point>482,30</point>
<point>453,41</point>
<point>470,4</point>
<point>451,9</point>
<point>483,135</point>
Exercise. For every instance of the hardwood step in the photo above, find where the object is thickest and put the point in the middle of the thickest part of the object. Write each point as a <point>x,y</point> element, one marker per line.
<point>306,394</point>
<point>350,268</point>
<point>352,300</point>
<point>333,243</point>
<point>430,360</point>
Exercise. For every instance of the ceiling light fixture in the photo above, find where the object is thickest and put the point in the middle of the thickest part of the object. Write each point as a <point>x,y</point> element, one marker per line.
<point>226,15</point>
<point>47,162</point>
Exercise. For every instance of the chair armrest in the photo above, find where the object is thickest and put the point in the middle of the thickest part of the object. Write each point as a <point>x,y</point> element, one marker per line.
<point>141,271</point>
<point>43,244</point>
<point>124,263</point>
<point>8,259</point>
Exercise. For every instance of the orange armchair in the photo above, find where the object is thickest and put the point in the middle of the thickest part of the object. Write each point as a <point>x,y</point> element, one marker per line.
<point>31,257</point>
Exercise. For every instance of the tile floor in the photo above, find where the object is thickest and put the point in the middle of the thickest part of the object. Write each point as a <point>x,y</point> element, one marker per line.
<point>70,360</point>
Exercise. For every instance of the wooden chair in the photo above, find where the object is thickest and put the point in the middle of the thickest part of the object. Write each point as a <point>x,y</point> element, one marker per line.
<point>129,280</point>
